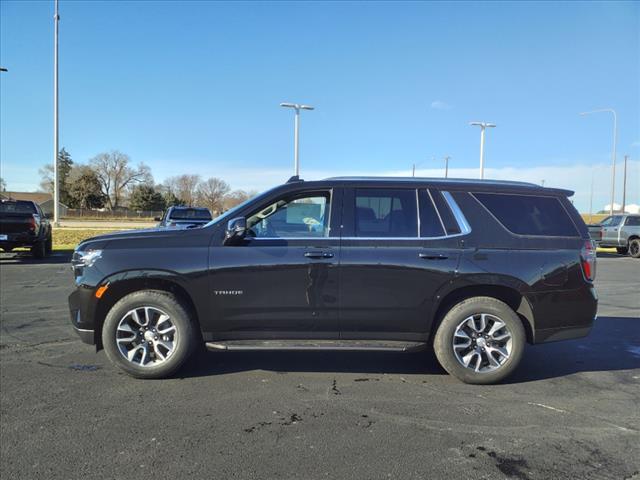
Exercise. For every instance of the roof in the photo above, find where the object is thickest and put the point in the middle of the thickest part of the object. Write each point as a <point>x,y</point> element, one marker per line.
<point>453,182</point>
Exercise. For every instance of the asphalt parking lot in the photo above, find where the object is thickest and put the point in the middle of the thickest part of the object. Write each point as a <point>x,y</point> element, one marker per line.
<point>571,411</point>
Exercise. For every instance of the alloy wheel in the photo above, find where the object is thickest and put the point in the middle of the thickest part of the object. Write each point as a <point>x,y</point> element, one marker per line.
<point>482,343</point>
<point>146,336</point>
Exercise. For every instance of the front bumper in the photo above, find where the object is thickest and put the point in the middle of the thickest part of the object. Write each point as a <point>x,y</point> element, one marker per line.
<point>81,309</point>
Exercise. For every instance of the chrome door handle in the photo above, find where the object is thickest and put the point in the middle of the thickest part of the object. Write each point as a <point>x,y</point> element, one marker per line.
<point>318,254</point>
<point>430,256</point>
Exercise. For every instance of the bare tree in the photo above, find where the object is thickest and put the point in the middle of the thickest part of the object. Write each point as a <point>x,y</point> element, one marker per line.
<point>211,194</point>
<point>115,175</point>
<point>237,197</point>
<point>184,187</point>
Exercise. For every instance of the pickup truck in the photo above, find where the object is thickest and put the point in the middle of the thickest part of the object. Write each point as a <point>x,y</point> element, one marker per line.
<point>184,217</point>
<point>23,224</point>
<point>621,232</point>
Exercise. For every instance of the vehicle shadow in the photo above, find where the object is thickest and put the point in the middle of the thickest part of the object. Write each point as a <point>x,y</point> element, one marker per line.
<point>612,345</point>
<point>25,257</point>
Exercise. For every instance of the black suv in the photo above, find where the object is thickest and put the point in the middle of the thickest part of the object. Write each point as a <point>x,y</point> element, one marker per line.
<point>473,268</point>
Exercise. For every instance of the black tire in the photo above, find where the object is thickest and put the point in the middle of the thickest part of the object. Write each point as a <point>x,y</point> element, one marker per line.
<point>179,315</point>
<point>48,246</point>
<point>634,248</point>
<point>444,338</point>
<point>39,250</point>
<point>622,250</point>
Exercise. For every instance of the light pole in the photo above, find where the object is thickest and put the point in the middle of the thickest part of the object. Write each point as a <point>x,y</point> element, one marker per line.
<point>446,166</point>
<point>613,150</point>
<point>483,126</point>
<point>296,129</point>
<point>624,184</point>
<point>56,191</point>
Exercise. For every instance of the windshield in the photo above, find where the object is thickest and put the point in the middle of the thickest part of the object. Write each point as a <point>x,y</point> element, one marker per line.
<point>190,214</point>
<point>611,221</point>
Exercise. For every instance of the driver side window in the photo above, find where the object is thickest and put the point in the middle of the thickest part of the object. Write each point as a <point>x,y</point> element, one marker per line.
<point>305,215</point>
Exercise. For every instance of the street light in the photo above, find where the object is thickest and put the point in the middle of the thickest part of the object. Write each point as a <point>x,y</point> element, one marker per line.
<point>446,166</point>
<point>483,126</point>
<point>296,128</point>
<point>56,190</point>
<point>613,150</point>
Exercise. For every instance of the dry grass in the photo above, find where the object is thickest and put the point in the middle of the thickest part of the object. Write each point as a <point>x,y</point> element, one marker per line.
<point>593,219</point>
<point>68,238</point>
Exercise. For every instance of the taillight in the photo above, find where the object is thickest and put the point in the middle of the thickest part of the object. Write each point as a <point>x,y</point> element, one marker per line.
<point>32,224</point>
<point>601,233</point>
<point>588,256</point>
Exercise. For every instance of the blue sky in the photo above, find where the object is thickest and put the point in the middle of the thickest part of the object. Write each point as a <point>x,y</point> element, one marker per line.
<point>194,87</point>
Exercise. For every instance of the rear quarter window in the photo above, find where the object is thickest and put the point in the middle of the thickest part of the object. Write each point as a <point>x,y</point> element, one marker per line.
<point>529,214</point>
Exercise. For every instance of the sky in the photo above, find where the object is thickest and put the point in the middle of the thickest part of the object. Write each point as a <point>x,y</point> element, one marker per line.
<point>195,87</point>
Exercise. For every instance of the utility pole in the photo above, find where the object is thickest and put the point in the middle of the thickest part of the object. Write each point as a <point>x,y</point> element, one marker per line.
<point>624,184</point>
<point>56,190</point>
<point>613,151</point>
<point>413,170</point>
<point>446,166</point>
<point>591,199</point>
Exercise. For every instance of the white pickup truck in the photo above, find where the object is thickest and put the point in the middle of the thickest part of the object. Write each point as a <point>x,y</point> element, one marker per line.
<point>621,232</point>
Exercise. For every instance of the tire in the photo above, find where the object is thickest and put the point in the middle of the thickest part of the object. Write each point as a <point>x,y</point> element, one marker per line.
<point>487,310</point>
<point>149,306</point>
<point>48,246</point>
<point>622,250</point>
<point>38,250</point>
<point>634,248</point>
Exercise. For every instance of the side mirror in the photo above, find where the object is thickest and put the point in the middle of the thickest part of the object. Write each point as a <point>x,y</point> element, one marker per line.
<point>156,219</point>
<point>236,230</point>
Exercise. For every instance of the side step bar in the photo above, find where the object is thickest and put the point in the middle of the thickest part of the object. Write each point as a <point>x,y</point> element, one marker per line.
<point>305,345</point>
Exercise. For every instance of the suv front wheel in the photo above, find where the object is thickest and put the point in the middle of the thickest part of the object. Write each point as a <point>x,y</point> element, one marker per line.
<point>148,334</point>
<point>480,340</point>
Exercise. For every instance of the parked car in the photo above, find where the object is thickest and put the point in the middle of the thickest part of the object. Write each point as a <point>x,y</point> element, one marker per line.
<point>621,232</point>
<point>473,268</point>
<point>184,217</point>
<point>23,224</point>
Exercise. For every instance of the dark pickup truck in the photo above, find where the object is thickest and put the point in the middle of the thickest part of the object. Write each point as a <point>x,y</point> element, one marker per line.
<point>23,224</point>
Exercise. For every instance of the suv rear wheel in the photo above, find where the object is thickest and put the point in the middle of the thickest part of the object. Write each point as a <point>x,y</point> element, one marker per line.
<point>634,248</point>
<point>148,334</point>
<point>480,340</point>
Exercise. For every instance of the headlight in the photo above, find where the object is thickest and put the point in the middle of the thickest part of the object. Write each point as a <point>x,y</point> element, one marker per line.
<point>85,258</point>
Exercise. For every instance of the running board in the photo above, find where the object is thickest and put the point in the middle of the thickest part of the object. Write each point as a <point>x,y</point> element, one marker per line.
<point>301,345</point>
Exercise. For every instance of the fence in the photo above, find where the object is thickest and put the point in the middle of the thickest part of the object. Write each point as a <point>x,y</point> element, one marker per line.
<point>109,215</point>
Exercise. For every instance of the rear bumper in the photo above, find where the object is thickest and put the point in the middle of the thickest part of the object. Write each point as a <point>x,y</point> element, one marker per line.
<point>558,334</point>
<point>564,314</point>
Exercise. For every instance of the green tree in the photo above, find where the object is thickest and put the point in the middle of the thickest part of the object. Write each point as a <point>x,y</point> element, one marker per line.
<point>84,188</point>
<point>65,165</point>
<point>145,197</point>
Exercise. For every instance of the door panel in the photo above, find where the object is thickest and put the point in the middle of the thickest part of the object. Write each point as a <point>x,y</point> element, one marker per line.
<point>389,277</point>
<point>274,287</point>
<point>389,290</point>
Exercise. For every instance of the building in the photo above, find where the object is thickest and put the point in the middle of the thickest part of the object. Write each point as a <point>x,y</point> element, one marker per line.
<point>45,200</point>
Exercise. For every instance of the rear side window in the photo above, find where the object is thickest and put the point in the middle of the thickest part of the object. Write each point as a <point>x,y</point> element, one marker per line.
<point>430,224</point>
<point>529,215</point>
<point>633,221</point>
<point>386,213</point>
<point>17,207</point>
<point>448,219</point>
